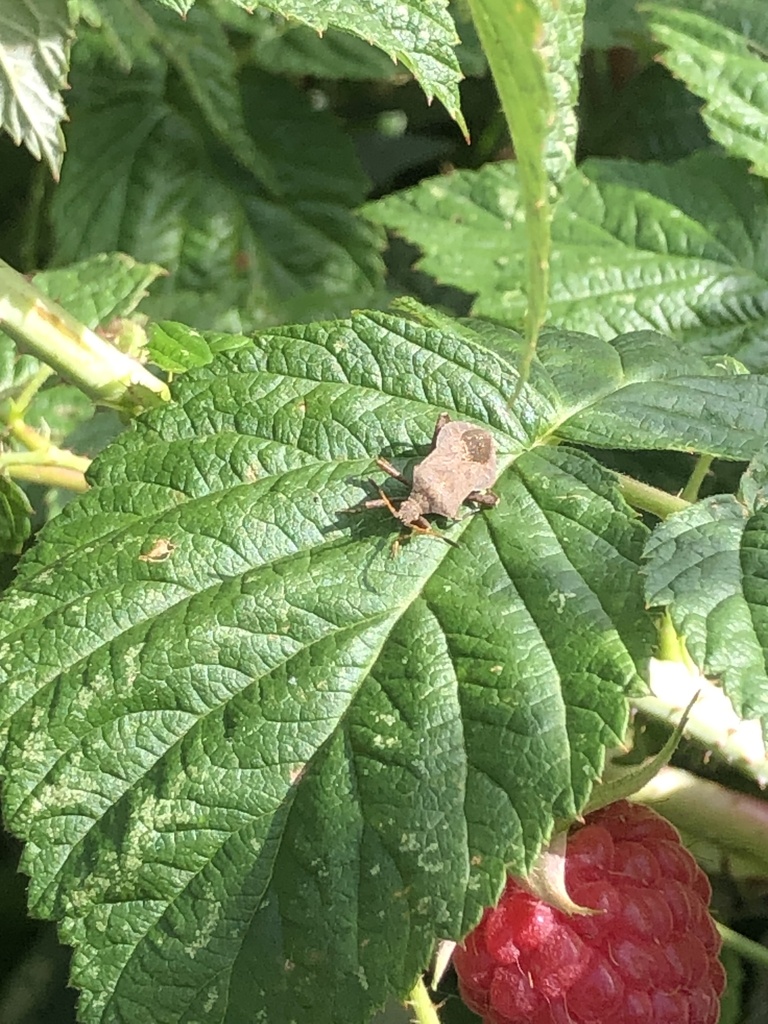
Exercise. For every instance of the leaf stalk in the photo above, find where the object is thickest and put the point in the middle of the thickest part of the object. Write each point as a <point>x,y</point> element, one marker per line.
<point>422,1005</point>
<point>73,350</point>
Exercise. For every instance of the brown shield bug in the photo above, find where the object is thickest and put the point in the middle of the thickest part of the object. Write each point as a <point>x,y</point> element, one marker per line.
<point>460,468</point>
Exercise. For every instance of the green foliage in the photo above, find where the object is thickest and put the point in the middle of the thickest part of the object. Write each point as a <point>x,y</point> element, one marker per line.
<point>420,34</point>
<point>34,56</point>
<point>678,249</point>
<point>14,517</point>
<point>295,738</point>
<point>285,47</point>
<point>236,255</point>
<point>263,747</point>
<point>100,288</point>
<point>724,541</point>
<point>736,108</point>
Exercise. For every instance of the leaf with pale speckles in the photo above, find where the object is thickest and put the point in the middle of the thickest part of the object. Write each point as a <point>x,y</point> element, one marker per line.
<point>259,764</point>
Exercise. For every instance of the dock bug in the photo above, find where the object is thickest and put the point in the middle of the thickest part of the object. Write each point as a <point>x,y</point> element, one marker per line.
<point>460,468</point>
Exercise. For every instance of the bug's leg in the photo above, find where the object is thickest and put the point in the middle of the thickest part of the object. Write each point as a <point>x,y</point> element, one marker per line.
<point>383,501</point>
<point>397,543</point>
<point>424,527</point>
<point>480,499</point>
<point>387,466</point>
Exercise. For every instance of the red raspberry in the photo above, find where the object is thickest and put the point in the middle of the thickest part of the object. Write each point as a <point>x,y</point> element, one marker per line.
<point>650,957</point>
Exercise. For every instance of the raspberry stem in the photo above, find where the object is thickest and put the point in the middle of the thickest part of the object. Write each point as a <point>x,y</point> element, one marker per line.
<point>422,1005</point>
<point>754,952</point>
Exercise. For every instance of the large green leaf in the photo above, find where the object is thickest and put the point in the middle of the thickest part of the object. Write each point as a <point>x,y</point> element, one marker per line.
<point>418,33</point>
<point>34,57</point>
<point>677,249</point>
<point>708,566</point>
<point>260,764</point>
<point>199,50</point>
<point>736,97</point>
<point>142,176</point>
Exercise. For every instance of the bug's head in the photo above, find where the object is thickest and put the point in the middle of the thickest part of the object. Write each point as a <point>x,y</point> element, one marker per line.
<point>410,510</point>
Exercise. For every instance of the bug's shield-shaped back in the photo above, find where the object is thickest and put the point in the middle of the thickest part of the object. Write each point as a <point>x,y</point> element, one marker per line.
<point>462,461</point>
<point>478,453</point>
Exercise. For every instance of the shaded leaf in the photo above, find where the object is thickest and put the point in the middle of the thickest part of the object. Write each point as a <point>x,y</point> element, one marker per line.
<point>14,517</point>
<point>284,47</point>
<point>200,51</point>
<point>420,34</point>
<point>101,288</point>
<point>736,98</point>
<point>34,56</point>
<point>652,117</point>
<point>125,32</point>
<point>141,177</point>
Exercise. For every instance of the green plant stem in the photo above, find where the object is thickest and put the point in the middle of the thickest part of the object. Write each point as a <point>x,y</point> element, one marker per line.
<point>49,455</point>
<point>74,351</point>
<point>746,948</point>
<point>650,499</point>
<point>512,36</point>
<point>696,479</point>
<point>24,398</point>
<point>670,645</point>
<point>50,476</point>
<point>423,1007</point>
<point>43,463</point>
